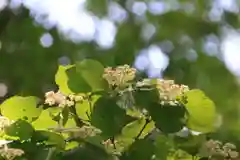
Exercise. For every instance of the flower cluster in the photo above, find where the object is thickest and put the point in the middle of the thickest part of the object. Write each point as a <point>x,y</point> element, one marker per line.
<point>11,153</point>
<point>169,92</point>
<point>218,150</point>
<point>119,75</point>
<point>61,100</point>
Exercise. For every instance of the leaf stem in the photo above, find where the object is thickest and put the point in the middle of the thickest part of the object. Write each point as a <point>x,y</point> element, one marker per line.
<point>113,142</point>
<point>147,121</point>
<point>77,120</point>
<point>88,115</point>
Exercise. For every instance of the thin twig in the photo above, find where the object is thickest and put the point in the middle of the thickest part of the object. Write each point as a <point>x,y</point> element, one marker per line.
<point>78,121</point>
<point>113,142</point>
<point>147,121</point>
<point>88,115</point>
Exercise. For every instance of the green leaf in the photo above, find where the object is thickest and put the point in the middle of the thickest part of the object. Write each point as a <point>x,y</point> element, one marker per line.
<point>181,155</point>
<point>44,121</point>
<point>95,140</point>
<point>190,144</point>
<point>61,79</point>
<point>55,111</point>
<point>169,119</point>
<point>84,109</point>
<point>89,152</point>
<point>92,72</point>
<point>201,112</point>
<point>132,129</point>
<point>143,98</point>
<point>18,107</point>
<point>70,81</point>
<point>70,123</point>
<point>45,153</point>
<point>71,145</point>
<point>65,116</point>
<point>109,117</point>
<point>142,149</point>
<point>134,112</point>
<point>76,81</point>
<point>49,138</point>
<point>163,147</point>
<point>20,130</point>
